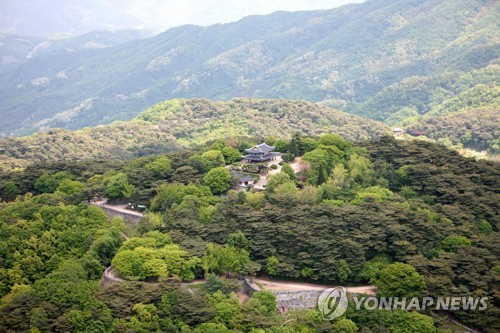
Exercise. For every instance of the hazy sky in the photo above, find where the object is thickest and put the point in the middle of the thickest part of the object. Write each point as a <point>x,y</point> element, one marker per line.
<point>44,17</point>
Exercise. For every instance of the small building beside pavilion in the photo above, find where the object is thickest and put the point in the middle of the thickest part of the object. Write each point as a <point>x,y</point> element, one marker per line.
<point>260,153</point>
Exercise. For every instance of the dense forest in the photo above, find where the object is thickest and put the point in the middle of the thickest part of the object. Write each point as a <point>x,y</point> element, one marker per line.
<point>477,129</point>
<point>174,124</point>
<point>364,212</point>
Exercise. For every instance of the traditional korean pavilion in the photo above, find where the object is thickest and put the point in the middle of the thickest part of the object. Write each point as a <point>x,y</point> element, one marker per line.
<point>260,153</point>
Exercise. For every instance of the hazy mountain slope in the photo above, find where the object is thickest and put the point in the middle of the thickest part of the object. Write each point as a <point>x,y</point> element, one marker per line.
<point>172,124</point>
<point>346,57</point>
<point>477,129</point>
<point>424,94</point>
<point>18,49</point>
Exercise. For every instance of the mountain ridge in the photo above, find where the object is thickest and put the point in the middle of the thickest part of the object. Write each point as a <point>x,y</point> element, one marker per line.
<point>181,123</point>
<point>347,55</point>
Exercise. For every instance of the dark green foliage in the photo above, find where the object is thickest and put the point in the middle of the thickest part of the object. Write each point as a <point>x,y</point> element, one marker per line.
<point>226,286</point>
<point>418,204</point>
<point>49,183</point>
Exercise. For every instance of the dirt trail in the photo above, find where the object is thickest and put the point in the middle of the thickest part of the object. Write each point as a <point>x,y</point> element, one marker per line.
<point>261,184</point>
<point>117,208</point>
<point>277,285</point>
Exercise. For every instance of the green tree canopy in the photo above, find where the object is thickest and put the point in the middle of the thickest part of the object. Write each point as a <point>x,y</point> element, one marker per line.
<point>218,179</point>
<point>400,280</point>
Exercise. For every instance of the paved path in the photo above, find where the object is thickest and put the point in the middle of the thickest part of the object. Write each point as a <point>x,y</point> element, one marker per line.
<point>111,276</point>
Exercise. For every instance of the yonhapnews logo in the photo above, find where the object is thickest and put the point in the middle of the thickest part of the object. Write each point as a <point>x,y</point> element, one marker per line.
<point>332,302</point>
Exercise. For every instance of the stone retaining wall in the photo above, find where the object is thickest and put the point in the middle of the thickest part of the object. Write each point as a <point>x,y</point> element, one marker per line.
<point>249,287</point>
<point>304,299</point>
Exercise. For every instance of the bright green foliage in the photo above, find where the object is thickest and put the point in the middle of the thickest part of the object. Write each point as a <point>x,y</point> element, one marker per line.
<point>336,185</point>
<point>218,179</point>
<point>334,140</point>
<point>212,159</point>
<point>206,213</point>
<point>326,156</point>
<point>453,243</point>
<point>345,326</point>
<point>34,246</point>
<point>49,183</point>
<point>169,194</point>
<point>231,155</point>
<point>400,280</point>
<point>228,311</point>
<point>268,300</point>
<point>412,322</point>
<point>151,221</point>
<point>375,193</point>
<point>68,186</point>
<point>484,227</point>
<point>306,272</point>
<point>254,199</point>
<point>321,175</point>
<point>153,262</point>
<point>276,180</point>
<point>360,170</point>
<point>286,168</point>
<point>272,265</point>
<point>211,328</point>
<point>118,186</point>
<point>161,166</point>
<point>144,320</point>
<point>67,284</point>
<point>313,240</point>
<point>400,116</point>
<point>128,190</point>
<point>224,259</point>
<point>343,271</point>
<point>372,267</point>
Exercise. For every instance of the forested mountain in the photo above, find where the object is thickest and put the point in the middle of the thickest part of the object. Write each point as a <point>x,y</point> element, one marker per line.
<point>477,129</point>
<point>413,218</point>
<point>173,124</point>
<point>374,59</point>
<point>467,120</point>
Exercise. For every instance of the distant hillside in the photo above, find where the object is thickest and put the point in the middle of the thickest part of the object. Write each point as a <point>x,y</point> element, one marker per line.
<point>19,49</point>
<point>476,129</point>
<point>173,124</point>
<point>373,59</point>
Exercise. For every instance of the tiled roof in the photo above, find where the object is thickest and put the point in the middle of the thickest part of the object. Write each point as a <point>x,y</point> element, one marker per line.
<point>262,148</point>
